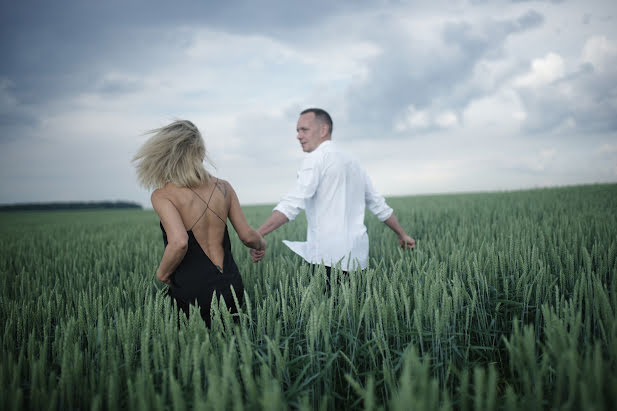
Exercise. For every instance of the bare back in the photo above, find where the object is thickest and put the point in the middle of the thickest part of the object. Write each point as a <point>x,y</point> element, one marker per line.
<point>204,211</point>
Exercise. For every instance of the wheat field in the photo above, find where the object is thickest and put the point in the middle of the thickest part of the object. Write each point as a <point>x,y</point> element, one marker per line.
<point>509,302</point>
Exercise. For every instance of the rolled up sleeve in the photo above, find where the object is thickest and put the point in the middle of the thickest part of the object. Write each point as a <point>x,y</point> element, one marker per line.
<point>306,185</point>
<point>290,207</point>
<point>375,202</point>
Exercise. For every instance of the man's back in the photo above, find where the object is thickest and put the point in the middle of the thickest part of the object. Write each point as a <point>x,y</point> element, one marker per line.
<point>339,198</point>
<point>334,190</point>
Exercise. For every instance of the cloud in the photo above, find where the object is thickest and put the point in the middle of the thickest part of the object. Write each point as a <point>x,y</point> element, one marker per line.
<point>583,98</point>
<point>600,53</point>
<point>8,105</point>
<point>476,95</point>
<point>55,50</point>
<point>543,71</point>
<point>119,84</point>
<point>606,157</point>
<point>537,1</point>
<point>431,69</point>
<point>607,149</point>
<point>423,120</point>
<point>15,117</point>
<point>537,162</point>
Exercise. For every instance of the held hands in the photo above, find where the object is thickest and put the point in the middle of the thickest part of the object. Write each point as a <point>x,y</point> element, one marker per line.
<point>257,255</point>
<point>406,242</point>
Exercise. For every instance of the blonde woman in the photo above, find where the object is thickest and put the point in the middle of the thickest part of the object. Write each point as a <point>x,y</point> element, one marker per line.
<point>193,207</point>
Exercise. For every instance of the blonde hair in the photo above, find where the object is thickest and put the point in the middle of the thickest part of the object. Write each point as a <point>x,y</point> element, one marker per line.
<point>175,153</point>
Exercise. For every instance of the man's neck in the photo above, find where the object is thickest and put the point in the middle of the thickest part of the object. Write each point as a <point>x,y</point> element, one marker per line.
<point>324,141</point>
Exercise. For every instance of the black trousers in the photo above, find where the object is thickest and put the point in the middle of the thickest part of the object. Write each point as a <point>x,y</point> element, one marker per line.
<point>328,271</point>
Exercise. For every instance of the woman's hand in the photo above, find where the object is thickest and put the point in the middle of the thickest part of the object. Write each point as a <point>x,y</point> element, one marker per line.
<point>257,255</point>
<point>166,279</point>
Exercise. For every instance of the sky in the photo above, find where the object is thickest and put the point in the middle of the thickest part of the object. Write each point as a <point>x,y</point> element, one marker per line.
<point>431,97</point>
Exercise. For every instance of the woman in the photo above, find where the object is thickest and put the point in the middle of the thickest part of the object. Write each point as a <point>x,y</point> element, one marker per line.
<point>193,207</point>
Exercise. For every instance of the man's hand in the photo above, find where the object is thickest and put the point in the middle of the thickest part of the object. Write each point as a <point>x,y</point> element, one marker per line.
<point>406,241</point>
<point>257,255</point>
<point>403,239</point>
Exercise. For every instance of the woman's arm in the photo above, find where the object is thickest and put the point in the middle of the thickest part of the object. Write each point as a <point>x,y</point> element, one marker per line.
<point>177,238</point>
<point>247,234</point>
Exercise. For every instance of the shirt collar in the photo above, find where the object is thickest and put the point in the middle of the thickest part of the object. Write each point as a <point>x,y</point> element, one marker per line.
<point>323,145</point>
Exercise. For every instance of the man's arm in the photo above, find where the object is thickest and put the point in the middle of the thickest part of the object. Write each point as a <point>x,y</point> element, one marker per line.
<point>384,213</point>
<point>292,203</point>
<point>273,222</point>
<point>404,240</point>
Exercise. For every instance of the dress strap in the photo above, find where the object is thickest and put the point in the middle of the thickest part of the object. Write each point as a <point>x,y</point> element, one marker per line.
<point>207,203</point>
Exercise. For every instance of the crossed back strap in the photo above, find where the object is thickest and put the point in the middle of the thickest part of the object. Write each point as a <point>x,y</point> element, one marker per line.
<point>207,203</point>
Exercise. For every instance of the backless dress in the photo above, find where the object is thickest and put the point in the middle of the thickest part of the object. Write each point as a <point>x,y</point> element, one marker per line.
<point>197,279</point>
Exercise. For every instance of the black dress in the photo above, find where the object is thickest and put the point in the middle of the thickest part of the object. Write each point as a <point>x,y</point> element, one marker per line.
<point>197,278</point>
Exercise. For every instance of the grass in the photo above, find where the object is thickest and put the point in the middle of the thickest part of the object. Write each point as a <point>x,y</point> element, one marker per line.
<point>508,302</point>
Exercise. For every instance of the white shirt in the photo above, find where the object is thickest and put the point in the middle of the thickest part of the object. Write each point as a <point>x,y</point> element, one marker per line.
<point>333,189</point>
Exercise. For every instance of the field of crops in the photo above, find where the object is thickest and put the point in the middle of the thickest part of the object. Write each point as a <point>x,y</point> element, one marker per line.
<point>509,302</point>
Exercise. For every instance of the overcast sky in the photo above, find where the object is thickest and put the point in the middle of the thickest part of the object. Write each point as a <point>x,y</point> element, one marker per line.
<point>432,97</point>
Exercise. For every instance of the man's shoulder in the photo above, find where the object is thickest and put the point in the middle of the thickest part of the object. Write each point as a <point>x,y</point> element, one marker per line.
<point>338,153</point>
<point>329,154</point>
<point>316,156</point>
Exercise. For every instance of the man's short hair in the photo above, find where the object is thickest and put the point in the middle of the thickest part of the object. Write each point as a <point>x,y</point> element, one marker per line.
<point>321,115</point>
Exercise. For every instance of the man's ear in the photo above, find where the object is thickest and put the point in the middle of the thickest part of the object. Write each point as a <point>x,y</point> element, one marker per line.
<point>323,130</point>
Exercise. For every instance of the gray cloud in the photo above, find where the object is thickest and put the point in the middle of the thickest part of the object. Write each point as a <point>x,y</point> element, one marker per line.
<point>88,77</point>
<point>119,86</point>
<point>15,118</point>
<point>57,49</point>
<point>405,75</point>
<point>585,101</point>
<point>538,1</point>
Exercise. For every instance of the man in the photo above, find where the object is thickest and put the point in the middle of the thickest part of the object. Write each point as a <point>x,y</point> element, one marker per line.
<point>334,190</point>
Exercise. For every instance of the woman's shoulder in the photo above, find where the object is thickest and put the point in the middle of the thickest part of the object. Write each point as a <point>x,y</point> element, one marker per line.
<point>165,191</point>
<point>173,193</point>
<point>159,194</point>
<point>223,186</point>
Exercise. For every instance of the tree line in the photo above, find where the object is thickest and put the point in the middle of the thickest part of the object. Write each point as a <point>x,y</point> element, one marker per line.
<point>69,206</point>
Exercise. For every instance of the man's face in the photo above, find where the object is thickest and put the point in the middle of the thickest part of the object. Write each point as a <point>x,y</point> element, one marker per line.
<point>311,133</point>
